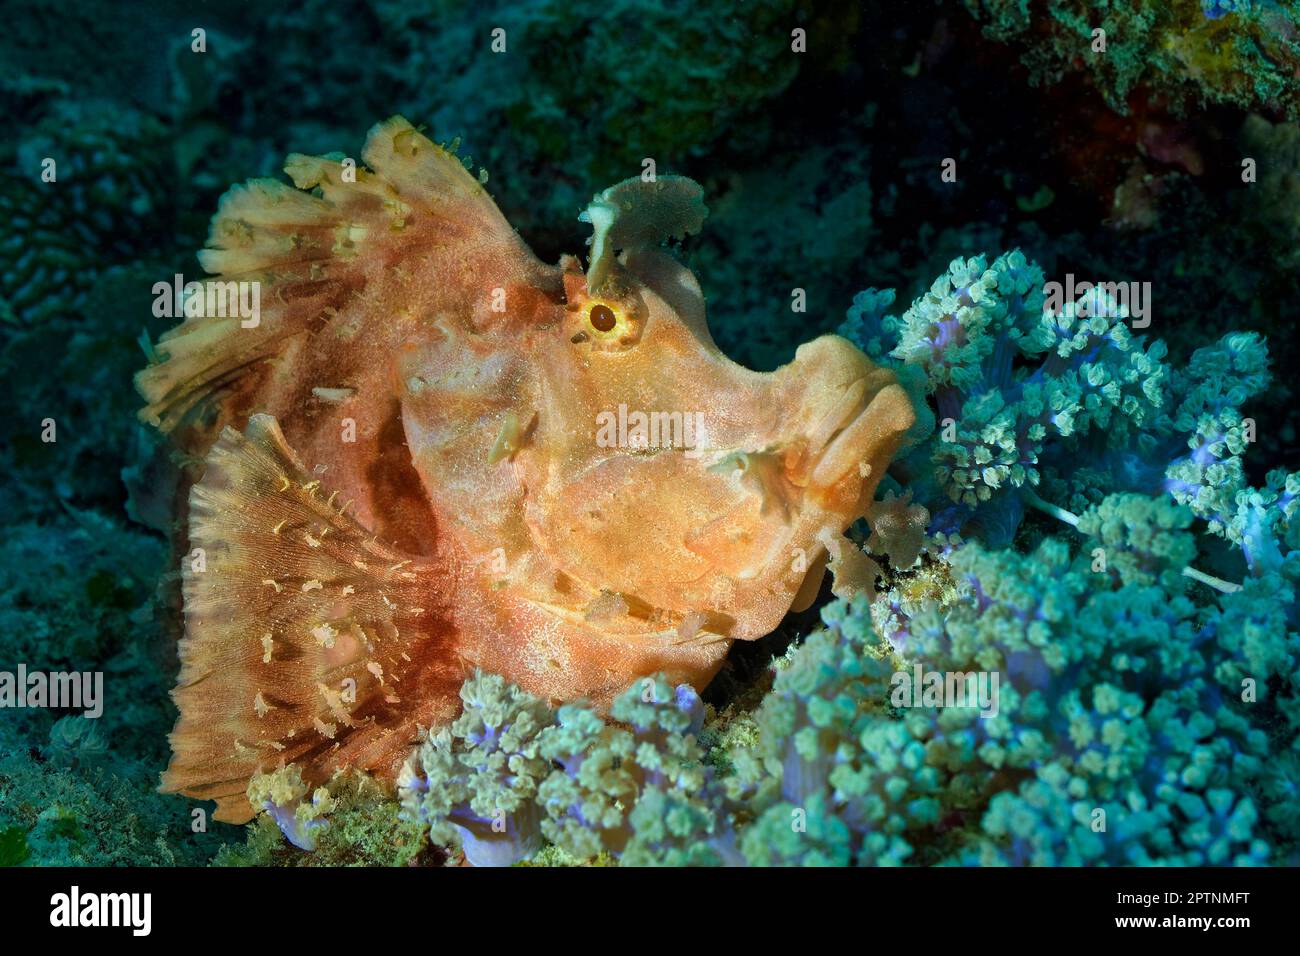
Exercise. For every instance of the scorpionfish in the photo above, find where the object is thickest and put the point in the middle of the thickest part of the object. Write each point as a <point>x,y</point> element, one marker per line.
<point>430,455</point>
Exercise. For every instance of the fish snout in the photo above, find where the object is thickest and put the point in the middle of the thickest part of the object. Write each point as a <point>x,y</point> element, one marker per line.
<point>850,416</point>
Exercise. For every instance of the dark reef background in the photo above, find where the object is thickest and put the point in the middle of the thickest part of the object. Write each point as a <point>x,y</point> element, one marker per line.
<point>821,170</point>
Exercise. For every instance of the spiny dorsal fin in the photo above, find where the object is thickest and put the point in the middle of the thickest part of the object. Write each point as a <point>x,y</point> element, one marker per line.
<point>305,640</point>
<point>355,260</point>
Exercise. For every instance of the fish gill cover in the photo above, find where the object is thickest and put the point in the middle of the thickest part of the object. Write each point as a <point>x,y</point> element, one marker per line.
<point>650,433</point>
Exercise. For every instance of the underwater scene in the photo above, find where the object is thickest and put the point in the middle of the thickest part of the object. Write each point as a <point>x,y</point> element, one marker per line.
<point>683,433</point>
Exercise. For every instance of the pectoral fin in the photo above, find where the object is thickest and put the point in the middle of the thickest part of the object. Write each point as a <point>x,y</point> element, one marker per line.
<point>306,640</point>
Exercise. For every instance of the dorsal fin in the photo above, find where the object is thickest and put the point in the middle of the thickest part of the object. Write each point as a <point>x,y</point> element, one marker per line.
<point>306,640</point>
<point>355,260</point>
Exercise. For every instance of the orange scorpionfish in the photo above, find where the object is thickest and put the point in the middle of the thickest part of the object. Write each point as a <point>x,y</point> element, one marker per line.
<point>401,473</point>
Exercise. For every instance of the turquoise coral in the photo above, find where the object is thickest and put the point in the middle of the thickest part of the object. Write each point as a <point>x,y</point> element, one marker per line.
<point>510,772</point>
<point>474,782</point>
<point>1112,699</point>
<point>1022,392</point>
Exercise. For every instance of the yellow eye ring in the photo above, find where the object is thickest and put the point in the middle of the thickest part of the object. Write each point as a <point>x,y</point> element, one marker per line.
<point>608,325</point>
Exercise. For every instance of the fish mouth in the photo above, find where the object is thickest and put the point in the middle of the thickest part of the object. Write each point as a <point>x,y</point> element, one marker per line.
<point>815,459</point>
<point>838,444</point>
<point>834,447</point>
<point>850,403</point>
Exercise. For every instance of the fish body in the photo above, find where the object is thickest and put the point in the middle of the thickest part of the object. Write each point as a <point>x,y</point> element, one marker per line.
<point>433,453</point>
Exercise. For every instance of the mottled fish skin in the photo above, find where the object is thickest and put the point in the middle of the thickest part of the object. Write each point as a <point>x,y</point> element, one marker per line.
<point>404,477</point>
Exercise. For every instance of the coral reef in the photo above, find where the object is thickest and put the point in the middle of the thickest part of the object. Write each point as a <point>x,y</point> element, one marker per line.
<point>1098,511</point>
<point>110,193</point>
<point>511,773</point>
<point>1240,52</point>
<point>350,821</point>
<point>1022,388</point>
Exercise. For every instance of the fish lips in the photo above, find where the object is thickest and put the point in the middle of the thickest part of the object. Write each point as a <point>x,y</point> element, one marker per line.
<point>850,416</point>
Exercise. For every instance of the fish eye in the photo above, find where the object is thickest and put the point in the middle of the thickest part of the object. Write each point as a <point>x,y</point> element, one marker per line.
<point>602,318</point>
<point>608,325</point>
